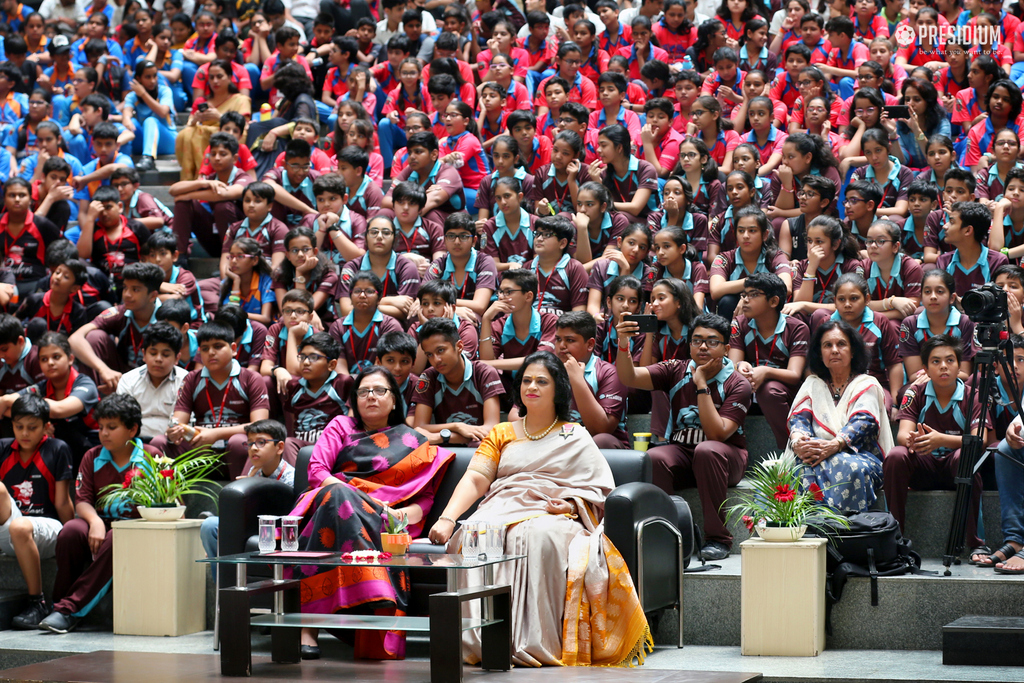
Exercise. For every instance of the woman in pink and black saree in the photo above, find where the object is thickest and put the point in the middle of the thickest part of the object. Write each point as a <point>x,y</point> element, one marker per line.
<point>545,480</point>
<point>364,466</point>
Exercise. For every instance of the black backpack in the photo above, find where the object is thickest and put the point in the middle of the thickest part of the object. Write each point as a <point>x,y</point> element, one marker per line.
<point>871,547</point>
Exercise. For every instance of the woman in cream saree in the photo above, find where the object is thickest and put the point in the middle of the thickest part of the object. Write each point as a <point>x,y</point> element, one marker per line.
<point>544,479</point>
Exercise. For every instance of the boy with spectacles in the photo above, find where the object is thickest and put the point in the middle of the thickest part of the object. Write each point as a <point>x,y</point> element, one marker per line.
<point>279,365</point>
<point>265,442</point>
<point>769,348</point>
<point>709,403</point>
<point>294,200</point>
<point>317,394</point>
<point>862,198</point>
<point>473,272</point>
<point>562,280</point>
<point>456,398</point>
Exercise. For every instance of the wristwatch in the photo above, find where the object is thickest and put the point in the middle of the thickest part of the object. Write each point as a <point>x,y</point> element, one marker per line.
<point>446,436</point>
<point>705,390</point>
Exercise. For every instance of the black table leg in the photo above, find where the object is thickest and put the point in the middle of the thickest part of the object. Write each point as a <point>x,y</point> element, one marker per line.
<point>496,639</point>
<point>285,642</point>
<point>445,638</point>
<point>235,646</point>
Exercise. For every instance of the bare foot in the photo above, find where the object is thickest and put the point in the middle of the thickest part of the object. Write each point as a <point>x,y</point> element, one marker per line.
<point>1015,563</point>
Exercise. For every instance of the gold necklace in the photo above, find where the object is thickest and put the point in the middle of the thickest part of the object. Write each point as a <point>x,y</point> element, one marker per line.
<point>540,436</point>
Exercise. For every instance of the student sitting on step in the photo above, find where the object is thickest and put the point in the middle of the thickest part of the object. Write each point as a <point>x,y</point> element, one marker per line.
<point>109,239</point>
<point>155,385</point>
<point>35,499</point>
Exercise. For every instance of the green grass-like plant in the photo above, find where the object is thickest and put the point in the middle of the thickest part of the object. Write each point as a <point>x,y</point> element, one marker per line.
<point>162,481</point>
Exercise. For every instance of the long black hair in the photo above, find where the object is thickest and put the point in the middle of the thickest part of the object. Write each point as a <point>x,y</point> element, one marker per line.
<point>397,414</point>
<point>858,350</point>
<point>821,156</point>
<point>286,271</point>
<point>769,247</point>
<point>563,390</point>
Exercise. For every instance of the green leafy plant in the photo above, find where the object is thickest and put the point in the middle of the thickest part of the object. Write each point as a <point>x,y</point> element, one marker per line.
<point>777,498</point>
<point>161,481</point>
<point>395,524</point>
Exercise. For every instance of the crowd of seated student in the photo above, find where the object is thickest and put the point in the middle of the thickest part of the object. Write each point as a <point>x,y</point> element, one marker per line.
<point>741,177</point>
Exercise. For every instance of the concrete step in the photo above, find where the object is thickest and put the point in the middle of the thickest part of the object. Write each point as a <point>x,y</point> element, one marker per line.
<point>167,172</point>
<point>12,602</point>
<point>910,615</point>
<point>203,268</point>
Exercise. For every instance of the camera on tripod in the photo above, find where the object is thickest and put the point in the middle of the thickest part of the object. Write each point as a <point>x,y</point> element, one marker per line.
<point>986,304</point>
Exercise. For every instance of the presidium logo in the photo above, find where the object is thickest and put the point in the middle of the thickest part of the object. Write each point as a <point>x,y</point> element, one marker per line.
<point>940,35</point>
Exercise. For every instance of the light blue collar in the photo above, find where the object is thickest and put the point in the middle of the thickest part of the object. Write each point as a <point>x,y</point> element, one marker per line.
<point>508,332</point>
<point>105,457</point>
<point>236,370</point>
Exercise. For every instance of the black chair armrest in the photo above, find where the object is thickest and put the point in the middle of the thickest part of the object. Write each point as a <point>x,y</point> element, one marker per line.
<point>241,502</point>
<point>625,507</point>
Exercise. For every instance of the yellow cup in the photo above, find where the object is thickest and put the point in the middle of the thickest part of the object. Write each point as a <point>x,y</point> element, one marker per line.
<point>641,441</point>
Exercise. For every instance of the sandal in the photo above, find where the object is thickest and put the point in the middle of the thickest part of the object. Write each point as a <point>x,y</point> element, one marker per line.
<point>981,550</point>
<point>1009,570</point>
<point>1007,550</point>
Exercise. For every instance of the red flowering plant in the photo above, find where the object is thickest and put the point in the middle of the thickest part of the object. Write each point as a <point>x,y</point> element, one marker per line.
<point>777,497</point>
<point>159,481</point>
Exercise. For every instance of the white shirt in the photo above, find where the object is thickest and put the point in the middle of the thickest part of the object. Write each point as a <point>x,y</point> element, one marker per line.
<point>157,402</point>
<point>52,9</point>
<point>428,27</point>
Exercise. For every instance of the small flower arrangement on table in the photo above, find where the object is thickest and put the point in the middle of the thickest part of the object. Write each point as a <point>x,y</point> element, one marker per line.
<point>776,499</point>
<point>394,536</point>
<point>161,482</point>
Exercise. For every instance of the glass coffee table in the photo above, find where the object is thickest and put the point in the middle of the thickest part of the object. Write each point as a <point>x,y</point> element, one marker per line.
<point>445,623</point>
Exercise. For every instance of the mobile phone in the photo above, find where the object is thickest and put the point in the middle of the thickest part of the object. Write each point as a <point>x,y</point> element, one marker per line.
<point>648,323</point>
<point>897,111</point>
<point>202,106</point>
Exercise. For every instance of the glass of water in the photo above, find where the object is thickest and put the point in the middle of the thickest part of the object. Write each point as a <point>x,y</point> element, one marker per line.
<point>493,544</point>
<point>470,539</point>
<point>290,533</point>
<point>268,526</point>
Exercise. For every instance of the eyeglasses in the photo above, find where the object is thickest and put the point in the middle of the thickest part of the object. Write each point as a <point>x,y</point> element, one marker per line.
<point>1006,143</point>
<point>544,234</point>
<point>878,243</point>
<point>853,201</point>
<point>363,292</point>
<point>806,194</point>
<point>377,232</point>
<point>238,257</point>
<point>300,250</point>
<point>688,155</point>
<point>573,62</point>
<point>752,294</point>
<point>460,237</point>
<point>567,120</point>
<point>258,444</point>
<point>379,392</point>
<point>869,110</point>
<point>697,112</point>
<point>452,114</point>
<point>815,110</point>
<point>295,311</point>
<point>310,357</point>
<point>508,292</point>
<point>697,342</point>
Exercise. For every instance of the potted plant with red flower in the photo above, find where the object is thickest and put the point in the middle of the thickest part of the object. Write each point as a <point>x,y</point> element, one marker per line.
<point>158,484</point>
<point>777,504</point>
<point>394,537</point>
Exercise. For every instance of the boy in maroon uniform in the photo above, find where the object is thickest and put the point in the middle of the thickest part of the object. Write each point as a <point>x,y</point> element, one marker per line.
<point>35,499</point>
<point>223,396</point>
<point>598,398</point>
<point>562,281</point>
<point>294,200</point>
<point>112,343</point>
<point>85,546</point>
<point>437,300</point>
<point>250,336</point>
<point>364,196</point>
<point>259,224</point>
<point>279,366</point>
<point>364,324</point>
<point>473,272</point>
<point>709,402</point>
<point>456,398</point>
<point>441,182</point>
<point>118,241</point>
<point>19,359</point>
<point>139,205</point>
<point>179,283</point>
<point>317,395</point>
<point>769,348</point>
<point>396,353</point>
<point>934,418</point>
<point>513,325</point>
<point>208,205</point>
<point>971,263</point>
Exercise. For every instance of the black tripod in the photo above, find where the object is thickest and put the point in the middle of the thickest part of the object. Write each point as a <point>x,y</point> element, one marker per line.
<point>973,452</point>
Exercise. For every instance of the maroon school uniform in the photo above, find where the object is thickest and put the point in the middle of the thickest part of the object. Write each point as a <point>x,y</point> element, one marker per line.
<point>613,224</point>
<point>480,273</point>
<point>37,305</point>
<point>695,225</point>
<point>26,371</point>
<point>426,237</point>
<point>895,187</point>
<point>882,338</point>
<point>935,232</point>
<point>358,347</point>
<point>915,329</point>
<point>98,471</point>
<point>709,198</point>
<point>303,192</point>
<point>730,393</point>
<point>226,406</point>
<point>111,256</point>
<point>443,175</point>
<point>402,278</point>
<point>978,274</point>
<point>33,486</point>
<point>729,265</point>
<point>269,235</point>
<point>25,255</point>
<point>485,193</point>
<point>145,205</point>
<point>921,406</point>
<point>509,244</point>
<point>545,185</point>
<point>826,279</point>
<point>277,342</point>
<point>541,336</point>
<point>121,324</point>
<point>464,403</point>
<point>667,347</point>
<point>640,176</point>
<point>563,288</point>
<point>904,276</point>
<point>353,226</point>
<point>366,198</point>
<point>695,276</point>
<point>606,270</point>
<point>467,334</point>
<point>789,339</point>
<point>185,278</point>
<point>250,346</point>
<point>775,187</point>
<point>408,389</point>
<point>607,345</point>
<point>327,283</point>
<point>603,380</point>
<point>306,413</point>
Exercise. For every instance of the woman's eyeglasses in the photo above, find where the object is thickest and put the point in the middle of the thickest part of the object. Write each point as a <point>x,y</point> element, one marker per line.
<point>379,392</point>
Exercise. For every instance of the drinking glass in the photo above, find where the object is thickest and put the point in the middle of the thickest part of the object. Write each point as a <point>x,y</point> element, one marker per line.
<point>494,545</point>
<point>290,533</point>
<point>470,539</point>
<point>268,526</point>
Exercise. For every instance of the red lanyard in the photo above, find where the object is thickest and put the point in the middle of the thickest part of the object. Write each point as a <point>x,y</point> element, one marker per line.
<point>64,321</point>
<point>883,293</point>
<point>369,342</point>
<point>541,290</point>
<point>664,349</point>
<point>824,285</point>
<point>219,415</point>
<point>771,350</point>
<point>409,244</point>
<point>559,200</point>
<point>623,196</point>
<point>131,340</point>
<point>465,282</point>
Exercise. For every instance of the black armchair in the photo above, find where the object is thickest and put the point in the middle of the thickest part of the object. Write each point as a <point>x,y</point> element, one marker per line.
<point>652,530</point>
